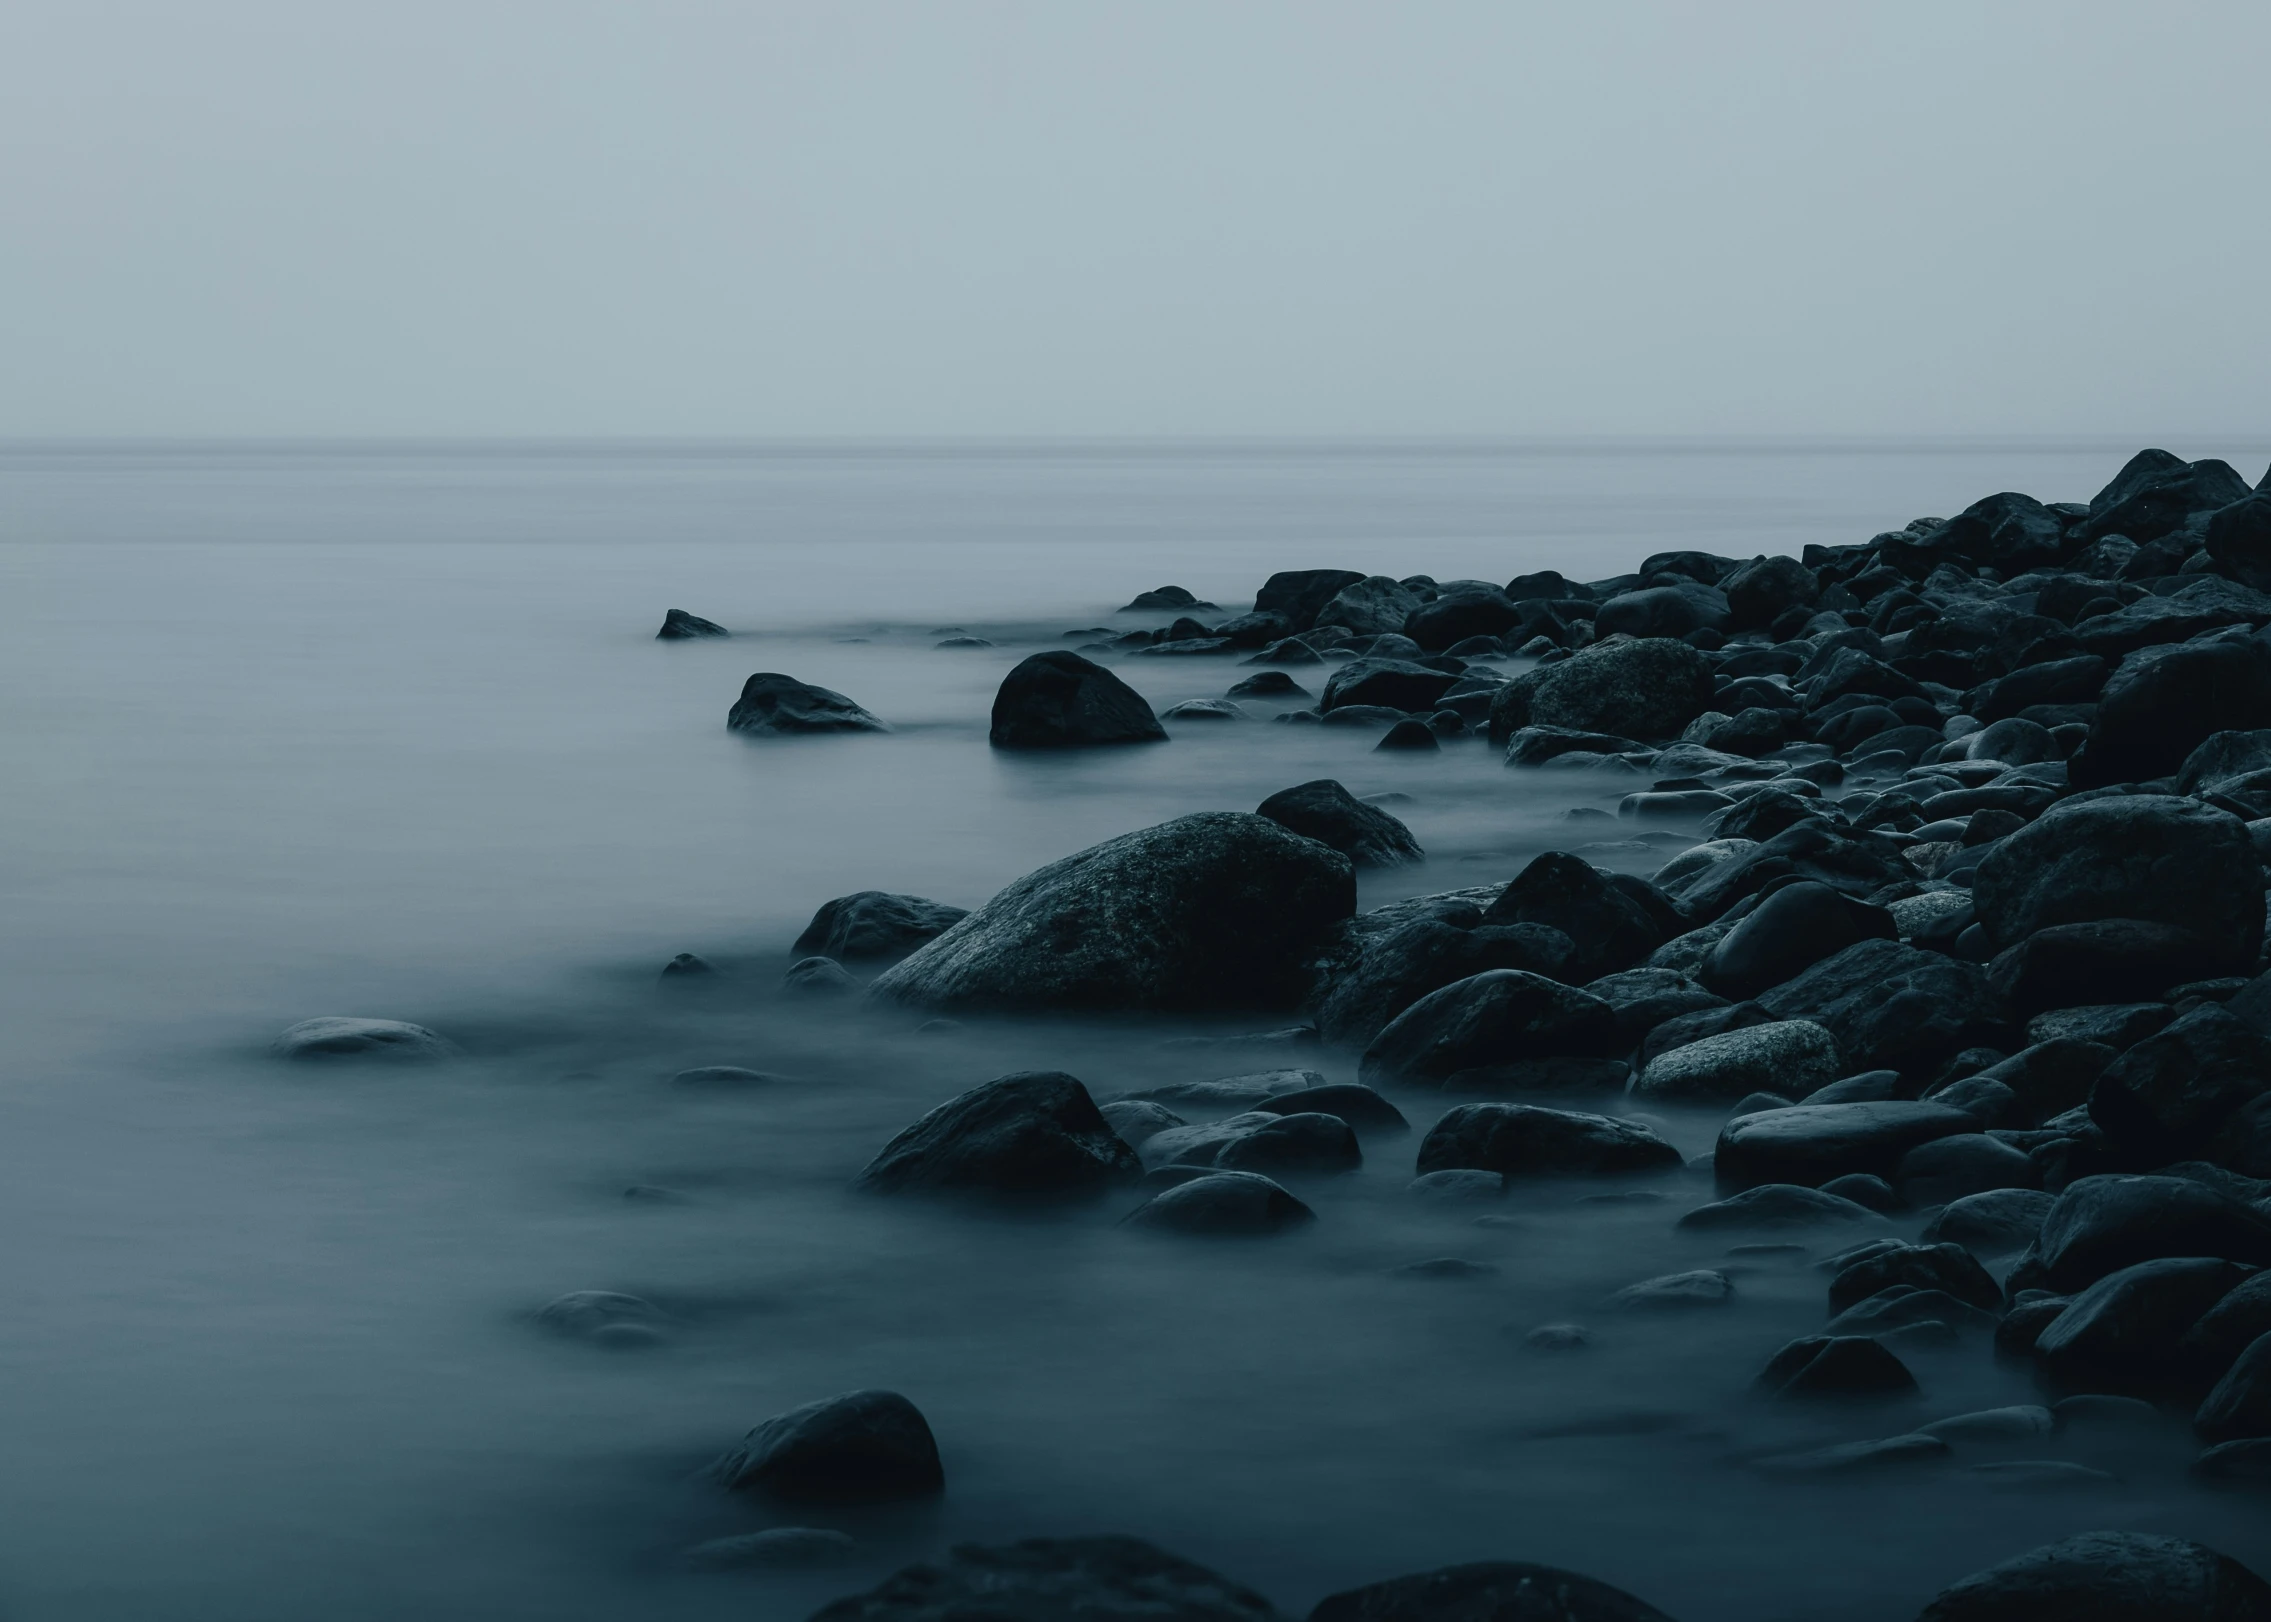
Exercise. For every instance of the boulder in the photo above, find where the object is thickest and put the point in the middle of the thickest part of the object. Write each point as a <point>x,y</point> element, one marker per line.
<point>680,626</point>
<point>2108,1577</point>
<point>1853,864</point>
<point>2122,1333</point>
<point>1608,929</point>
<point>1326,812</point>
<point>1893,1006</point>
<point>1267,684</point>
<point>1097,1579</point>
<point>862,1447</point>
<point>1523,1140</point>
<point>1395,684</point>
<point>816,976</point>
<point>1058,700</point>
<point>1138,1120</point>
<point>1664,611</point>
<point>332,1037</point>
<point>1163,600</point>
<point>2001,1219</point>
<point>1702,1287</point>
<point>1458,615</point>
<point>1903,1306</point>
<point>1393,969</point>
<point>1950,1269</point>
<point>2164,702</point>
<point>2049,1078</point>
<point>1487,1591</point>
<point>1299,594</point>
<point>2070,965</point>
<point>1367,1113</point>
<point>2239,539</point>
<point>1287,1145</point>
<point>1223,1204</point>
<point>1795,1056</point>
<point>1810,1144</point>
<point>2169,1094</point>
<point>1645,998</point>
<point>1493,1018</point>
<point>1958,1165</point>
<point>2227,1329</point>
<point>1763,590</point>
<point>1372,606</point>
<point>874,925</point>
<point>1649,688</point>
<point>772,705</point>
<point>2239,1406</point>
<point>1789,932</point>
<point>1777,1205</point>
<point>2156,493</point>
<point>2099,1225</point>
<point>1834,1366</point>
<point>1219,910</point>
<point>1036,1133</point>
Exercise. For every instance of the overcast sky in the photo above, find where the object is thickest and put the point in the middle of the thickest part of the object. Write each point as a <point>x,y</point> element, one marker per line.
<point>1155,218</point>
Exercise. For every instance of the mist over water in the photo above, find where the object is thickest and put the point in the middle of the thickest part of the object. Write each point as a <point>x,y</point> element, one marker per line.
<point>383,730</point>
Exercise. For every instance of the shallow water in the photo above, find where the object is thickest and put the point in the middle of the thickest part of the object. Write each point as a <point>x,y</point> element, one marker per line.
<point>383,730</point>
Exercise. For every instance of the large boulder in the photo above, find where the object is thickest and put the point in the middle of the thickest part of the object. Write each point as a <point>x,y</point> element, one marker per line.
<point>2156,493</point>
<point>2239,539</point>
<point>1664,611</point>
<point>874,925</point>
<point>1893,1007</point>
<point>1299,594</point>
<point>773,705</point>
<point>1947,1268</point>
<point>2166,1098</point>
<point>1523,1140</point>
<point>1372,606</point>
<point>1764,589</point>
<point>2104,960</point>
<point>1220,910</point>
<point>1058,700</point>
<point>2008,531</point>
<point>2164,702</point>
<point>2099,1225</point>
<point>2151,857</point>
<point>1487,1591</point>
<point>862,1447</point>
<point>1496,1018</point>
<point>2108,1577</point>
<point>2121,1333</point>
<point>1650,688</point>
<point>1852,864</point>
<point>1097,1579</point>
<point>1790,1057</point>
<point>1810,1144</point>
<point>1036,1133</point>
<point>1786,934</point>
<point>1608,929</point>
<point>1395,684</point>
<point>1456,615</point>
<point>1326,812</point>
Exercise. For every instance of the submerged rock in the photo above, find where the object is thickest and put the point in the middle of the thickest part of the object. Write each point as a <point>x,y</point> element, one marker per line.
<point>680,626</point>
<point>1223,1204</point>
<point>1524,1140</point>
<point>334,1037</point>
<point>777,1548</point>
<point>1778,1205</point>
<point>1094,1579</point>
<point>2108,1577</point>
<point>1058,700</point>
<point>603,1318</point>
<point>1499,1017</point>
<point>1326,812</point>
<point>874,926</point>
<point>774,705</point>
<point>1488,1591</point>
<point>1037,1133</point>
<point>1834,1366</point>
<point>862,1447</point>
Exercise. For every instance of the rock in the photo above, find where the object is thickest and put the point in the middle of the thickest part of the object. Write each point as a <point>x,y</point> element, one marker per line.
<point>1267,684</point>
<point>2099,1225</point>
<point>2068,965</point>
<point>2244,1464</point>
<point>1371,606</point>
<point>1096,1579</point>
<point>1214,911</point>
<point>1163,599</point>
<point>1453,617</point>
<point>2115,1025</point>
<point>1394,968</point>
<point>1036,1133</point>
<point>1958,1165</point>
<point>2156,493</point>
<point>680,626</point>
<point>2122,1332</point>
<point>1326,812</point>
<point>773,705</point>
<point>873,926</point>
<point>1409,734</point>
<point>1137,1120</point>
<point>1459,1187</point>
<point>1299,594</point>
<point>1809,1144</point>
<point>1764,589</point>
<point>2164,702</point>
<point>1444,1269</point>
<point>2000,1219</point>
<point>1649,688</point>
<point>862,1447</point>
<point>1787,933</point>
<point>1365,1111</point>
<point>1892,1006</point>
<point>1487,1591</point>
<point>2208,603</point>
<point>2108,1577</point>
<point>331,1038</point>
<point>1524,1140</point>
<point>2239,1408</point>
<point>2170,1093</point>
<point>1794,1053</point>
<point>1947,1268</point>
<point>1608,928</point>
<point>1230,1204</point>
<point>1395,684</point>
<point>817,976</point>
<point>1991,1426</point>
<point>603,1318</point>
<point>1834,1366</point>
<point>1558,1338</point>
<point>2226,1329</point>
<point>1676,1291</point>
<point>1854,864</point>
<point>1234,1092</point>
<point>1874,1193</point>
<point>1868,1087</point>
<point>1291,1145</point>
<point>1493,1018</point>
<point>686,970</point>
<point>1203,709</point>
<point>1777,1205</point>
<point>1860,1458</point>
<point>1058,700</point>
<point>725,1078</point>
<point>778,1548</point>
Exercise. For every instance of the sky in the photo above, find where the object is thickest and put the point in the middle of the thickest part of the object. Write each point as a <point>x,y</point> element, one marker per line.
<point>976,218</point>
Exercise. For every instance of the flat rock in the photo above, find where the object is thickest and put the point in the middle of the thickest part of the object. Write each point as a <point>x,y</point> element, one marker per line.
<point>332,1037</point>
<point>1796,1055</point>
<point>1810,1144</point>
<point>1096,1579</point>
<point>1526,1140</point>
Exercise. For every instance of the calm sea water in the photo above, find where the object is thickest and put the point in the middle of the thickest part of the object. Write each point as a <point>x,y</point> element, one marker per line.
<point>383,730</point>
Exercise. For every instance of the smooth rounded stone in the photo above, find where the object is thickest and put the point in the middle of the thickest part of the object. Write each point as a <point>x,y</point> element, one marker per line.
<point>604,1318</point>
<point>1137,1120</point>
<point>680,626</point>
<point>1229,1204</point>
<point>1673,805</point>
<point>2067,964</point>
<point>773,705</point>
<point>1793,1054</point>
<point>1790,931</point>
<point>1904,1307</point>
<point>328,1038</point>
<point>2164,702</point>
<point>688,969</point>
<point>1365,1111</point>
<point>726,1078</point>
<point>2226,1329</point>
<point>1764,813</point>
<point>1393,684</point>
<point>1357,715</point>
<point>1198,1145</point>
<point>2243,1464</point>
<point>1496,1017</point>
<point>2024,1323</point>
<point>1991,1426</point>
<point>1290,650</point>
<point>1444,1269</point>
<point>1358,993</point>
<point>1651,687</point>
<point>1289,1145</point>
<point>1891,1006</point>
<point>2040,1475</point>
<point>1860,1458</point>
<point>1999,1219</point>
<point>1461,612</point>
<point>2049,1078</point>
<point>1701,1287</point>
<point>1203,709</point>
<point>1033,1134</point>
<point>1163,599</point>
<point>1096,1579</point>
<point>1058,700</point>
<point>1408,735</point>
<point>1949,1268</point>
<point>2116,1025</point>
<point>1459,1187</point>
<point>2099,1225</point>
<point>1777,1205</point>
<point>1967,1163</point>
<point>862,1447</point>
<point>1809,1144</point>
<point>1644,998</point>
<point>1558,1338</point>
<point>1873,1193</point>
<point>2123,1331</point>
<point>1373,606</point>
<point>1325,811</point>
<point>1234,1092</point>
<point>1268,684</point>
<point>1219,910</point>
<point>778,1548</point>
<point>2096,1411</point>
<point>1535,746</point>
<point>2108,1577</point>
<point>1610,927</point>
<point>2170,1093</point>
<point>1869,1087</point>
<point>1526,1140</point>
<point>2239,1407</point>
<point>1752,1103</point>
<point>1834,1366</point>
<point>1674,877</point>
<point>817,976</point>
<point>1487,1591</point>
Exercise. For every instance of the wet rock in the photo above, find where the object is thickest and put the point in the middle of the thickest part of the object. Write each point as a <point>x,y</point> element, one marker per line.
<point>2239,1407</point>
<point>2072,964</point>
<point>2000,1219</point>
<point>1962,1164</point>
<point>1891,1006</point>
<point>1225,1204</point>
<point>1203,709</point>
<point>1834,1366</point>
<point>1558,1338</point>
<point>1649,688</point>
<point>1137,1120</point>
<point>2156,493</point>
<point>1393,968</point>
<point>680,626</point>
<point>2023,1325</point>
<point>2226,1329</point>
<point>1791,930</point>
<point>2099,1225</point>
<point>1370,607</point>
<point>1036,1133</point>
<point>1165,600</point>
<point>1992,1426</point>
<point>778,1548</point>
<point>1778,1205</point>
<point>874,926</point>
<point>817,977</point>
<point>1947,1268</point>
<point>2164,702</point>
<point>1644,998</point>
<point>331,1038</point>
<point>1299,594</point>
<point>604,1318</point>
<point>1268,684</point>
<point>2044,1080</point>
<point>862,1447</point>
<point>2116,1025</point>
<point>1214,911</point>
<point>2170,1093</point>
<point>1609,929</point>
<point>2108,1577</point>
<point>1762,590</point>
<point>1809,1144</point>
<point>1233,1092</point>
<point>1864,1190</point>
<point>1407,735</point>
<point>1365,1111</point>
<point>2244,1464</point>
<point>1459,1187</point>
<point>1487,1591</point>
<point>1395,684</point>
<point>2122,1332</point>
<point>1494,1018</point>
<point>1676,1292</point>
<point>1663,611</point>
<point>1058,700</point>
<point>1866,1087</point>
<point>688,970</point>
<point>1291,1145</point>
<point>774,705</point>
<point>1456,615</point>
<point>1795,1054</point>
<point>1094,1579</point>
<point>726,1078</point>
<point>1326,812</point>
<point>1525,1140</point>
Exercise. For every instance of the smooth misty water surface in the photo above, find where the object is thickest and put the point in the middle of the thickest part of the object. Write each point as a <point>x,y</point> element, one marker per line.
<point>384,731</point>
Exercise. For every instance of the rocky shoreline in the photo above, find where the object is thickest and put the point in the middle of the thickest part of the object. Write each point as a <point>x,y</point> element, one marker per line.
<point>1959,922</point>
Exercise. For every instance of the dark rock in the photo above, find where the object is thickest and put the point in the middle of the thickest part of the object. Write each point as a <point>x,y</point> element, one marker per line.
<point>2115,1025</point>
<point>331,1038</point>
<point>1496,1017</point>
<point>1866,1087</point>
<point>1904,1306</point>
<point>1777,1205</point>
<point>1407,735</point>
<point>2207,603</point>
<point>2164,702</point>
<point>1834,1366</point>
<point>2102,1224</point>
<point>2228,1328</point>
<point>1213,911</point>
<point>687,969</point>
<point>773,705</point>
<point>2108,1577</point>
<point>2156,493</point>
<point>1395,968</point>
<point>1290,650</point>
<point>1650,688</point>
<point>1645,998</point>
<point>1253,630</point>
<point>1663,611</point>
<point>1854,864</point>
<point>1963,1163</point>
<point>1326,812</point>
<point>2239,1408</point>
<point>2078,680</point>
<point>1228,1204</point>
<point>1945,1267</point>
<point>2169,1094</point>
<point>1790,931</point>
<point>873,925</point>
<point>1138,1120</point>
<point>1164,599</point>
<point>1096,1579</point>
<point>1293,1145</point>
<point>1762,590</point>
<point>817,976</point>
<point>1058,700</point>
<point>603,1318</point>
<point>2239,539</point>
<point>1892,1006</point>
<point>1487,1591</point>
<point>680,626</point>
<point>2067,965</point>
<point>725,1078</point>
<point>1299,594</point>
<point>1999,1219</point>
<point>1268,684</point>
<point>2245,1464</point>
<point>1523,1140</point>
<point>1609,930</point>
<point>863,1447</point>
<point>778,1548</point>
<point>1458,615</point>
<point>1036,1133</point>
<point>2122,1332</point>
<point>1394,684</point>
<point>1370,607</point>
<point>1809,1144</point>
<point>1872,1193</point>
<point>1365,1111</point>
<point>1459,1187</point>
<point>1676,1292</point>
<point>1796,1054</point>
